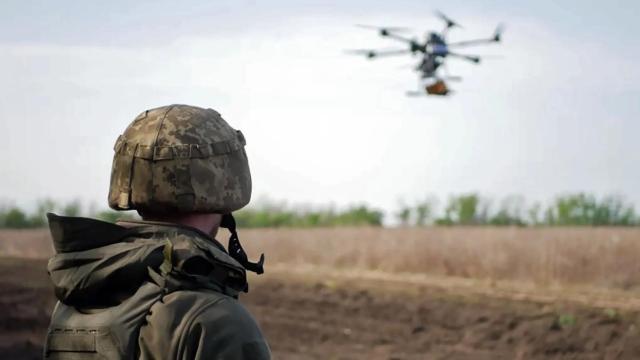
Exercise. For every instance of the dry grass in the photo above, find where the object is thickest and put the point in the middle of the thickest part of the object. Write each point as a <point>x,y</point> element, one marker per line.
<point>26,243</point>
<point>604,258</point>
<point>556,257</point>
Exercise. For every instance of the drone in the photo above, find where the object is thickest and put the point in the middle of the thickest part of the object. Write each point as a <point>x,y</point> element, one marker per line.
<point>434,50</point>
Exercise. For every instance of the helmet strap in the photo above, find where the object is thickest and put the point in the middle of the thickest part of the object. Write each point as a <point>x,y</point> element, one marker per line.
<point>235,248</point>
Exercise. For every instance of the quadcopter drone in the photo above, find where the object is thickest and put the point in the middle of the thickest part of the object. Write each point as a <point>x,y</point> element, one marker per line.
<point>434,51</point>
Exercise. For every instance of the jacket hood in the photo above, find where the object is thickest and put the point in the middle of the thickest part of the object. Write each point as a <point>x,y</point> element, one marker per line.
<point>99,264</point>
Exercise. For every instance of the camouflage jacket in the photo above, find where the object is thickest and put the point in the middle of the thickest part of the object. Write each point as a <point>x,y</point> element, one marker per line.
<point>146,291</point>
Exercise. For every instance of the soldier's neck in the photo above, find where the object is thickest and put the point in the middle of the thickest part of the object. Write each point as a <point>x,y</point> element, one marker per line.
<point>207,223</point>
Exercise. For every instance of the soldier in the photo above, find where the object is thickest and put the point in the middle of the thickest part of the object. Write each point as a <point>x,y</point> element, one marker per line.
<point>163,287</point>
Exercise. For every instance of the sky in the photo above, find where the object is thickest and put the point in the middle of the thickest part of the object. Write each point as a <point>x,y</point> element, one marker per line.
<point>551,110</point>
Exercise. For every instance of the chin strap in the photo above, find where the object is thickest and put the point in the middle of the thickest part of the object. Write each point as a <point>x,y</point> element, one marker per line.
<point>235,248</point>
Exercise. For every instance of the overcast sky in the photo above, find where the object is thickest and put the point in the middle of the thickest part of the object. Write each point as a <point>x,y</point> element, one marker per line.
<point>557,112</point>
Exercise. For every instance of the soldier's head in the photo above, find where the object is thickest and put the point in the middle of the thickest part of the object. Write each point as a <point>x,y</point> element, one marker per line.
<point>182,164</point>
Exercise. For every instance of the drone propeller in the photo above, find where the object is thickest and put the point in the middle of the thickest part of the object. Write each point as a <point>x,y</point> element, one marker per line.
<point>392,33</point>
<point>377,53</point>
<point>450,23</point>
<point>385,30</point>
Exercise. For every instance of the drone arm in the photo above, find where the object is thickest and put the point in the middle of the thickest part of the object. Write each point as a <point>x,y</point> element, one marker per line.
<point>472,58</point>
<point>472,42</point>
<point>494,39</point>
<point>398,37</point>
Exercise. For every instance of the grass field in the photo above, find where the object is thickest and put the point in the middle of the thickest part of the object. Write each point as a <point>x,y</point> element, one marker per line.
<point>596,258</point>
<point>599,258</point>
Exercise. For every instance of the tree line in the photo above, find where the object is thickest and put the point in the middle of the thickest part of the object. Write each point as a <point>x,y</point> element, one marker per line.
<point>577,209</point>
<point>282,216</point>
<point>13,217</point>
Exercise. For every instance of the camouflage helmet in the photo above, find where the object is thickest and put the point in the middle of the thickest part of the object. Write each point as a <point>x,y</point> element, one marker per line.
<point>180,158</point>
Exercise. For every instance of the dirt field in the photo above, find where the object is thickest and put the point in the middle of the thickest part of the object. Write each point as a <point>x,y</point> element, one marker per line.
<point>315,315</point>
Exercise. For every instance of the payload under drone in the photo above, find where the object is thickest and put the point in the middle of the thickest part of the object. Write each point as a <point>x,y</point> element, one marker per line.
<point>434,51</point>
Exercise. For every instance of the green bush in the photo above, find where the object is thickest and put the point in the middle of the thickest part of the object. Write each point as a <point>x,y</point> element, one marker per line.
<point>584,209</point>
<point>15,218</point>
<point>466,209</point>
<point>510,212</point>
<point>280,216</point>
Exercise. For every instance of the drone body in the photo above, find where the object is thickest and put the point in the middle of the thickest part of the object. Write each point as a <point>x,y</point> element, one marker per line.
<point>434,50</point>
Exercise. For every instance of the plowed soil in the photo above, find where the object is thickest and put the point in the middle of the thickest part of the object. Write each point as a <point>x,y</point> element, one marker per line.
<point>329,317</point>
